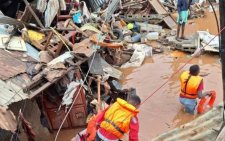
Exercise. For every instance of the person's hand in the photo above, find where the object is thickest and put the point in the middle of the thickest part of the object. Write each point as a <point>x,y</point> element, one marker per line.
<point>208,93</point>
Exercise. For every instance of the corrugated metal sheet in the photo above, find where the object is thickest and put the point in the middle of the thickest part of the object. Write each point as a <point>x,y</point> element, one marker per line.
<point>95,4</point>
<point>201,129</point>
<point>7,120</point>
<point>10,93</point>
<point>12,63</point>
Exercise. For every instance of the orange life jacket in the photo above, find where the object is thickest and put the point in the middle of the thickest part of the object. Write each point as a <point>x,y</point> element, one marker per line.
<point>91,128</point>
<point>117,118</point>
<point>189,85</point>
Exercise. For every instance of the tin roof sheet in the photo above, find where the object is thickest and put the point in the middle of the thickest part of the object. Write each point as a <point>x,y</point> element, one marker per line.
<point>10,93</point>
<point>204,128</point>
<point>7,119</point>
<point>12,63</point>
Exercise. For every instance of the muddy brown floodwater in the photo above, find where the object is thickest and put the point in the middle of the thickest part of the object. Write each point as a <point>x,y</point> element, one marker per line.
<point>163,112</point>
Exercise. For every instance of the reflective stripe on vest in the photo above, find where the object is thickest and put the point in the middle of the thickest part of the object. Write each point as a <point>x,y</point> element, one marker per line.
<point>189,85</point>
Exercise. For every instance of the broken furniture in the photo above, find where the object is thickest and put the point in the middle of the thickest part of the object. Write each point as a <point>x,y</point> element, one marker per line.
<point>77,116</point>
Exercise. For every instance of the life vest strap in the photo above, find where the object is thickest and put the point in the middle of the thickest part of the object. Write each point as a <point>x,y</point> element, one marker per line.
<point>187,93</point>
<point>114,125</point>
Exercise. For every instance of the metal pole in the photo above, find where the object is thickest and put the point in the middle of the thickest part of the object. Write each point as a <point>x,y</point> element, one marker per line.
<point>33,13</point>
<point>222,43</point>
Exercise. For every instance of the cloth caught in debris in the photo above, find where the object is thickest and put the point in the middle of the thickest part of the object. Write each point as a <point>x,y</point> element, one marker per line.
<point>85,12</point>
<point>51,11</point>
<point>41,5</point>
<point>69,94</point>
<point>62,4</point>
<point>27,128</point>
<point>141,51</point>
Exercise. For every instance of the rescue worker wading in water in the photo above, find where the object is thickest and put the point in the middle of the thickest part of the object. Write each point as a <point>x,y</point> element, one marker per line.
<point>191,89</point>
<point>118,119</point>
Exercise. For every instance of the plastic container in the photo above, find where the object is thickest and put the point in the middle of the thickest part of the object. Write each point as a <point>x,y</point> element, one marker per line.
<point>152,36</point>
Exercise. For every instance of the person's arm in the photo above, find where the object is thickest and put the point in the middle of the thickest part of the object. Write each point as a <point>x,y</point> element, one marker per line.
<point>134,129</point>
<point>100,116</point>
<point>200,89</point>
<point>201,95</point>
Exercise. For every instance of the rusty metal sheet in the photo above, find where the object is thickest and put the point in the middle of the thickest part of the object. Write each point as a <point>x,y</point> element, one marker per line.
<point>159,8</point>
<point>11,64</point>
<point>7,120</point>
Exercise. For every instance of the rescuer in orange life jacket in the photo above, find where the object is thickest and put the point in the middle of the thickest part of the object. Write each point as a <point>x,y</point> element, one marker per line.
<point>118,119</point>
<point>191,89</point>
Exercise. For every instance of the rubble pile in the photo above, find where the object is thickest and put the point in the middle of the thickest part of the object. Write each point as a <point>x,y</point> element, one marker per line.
<point>72,46</point>
<point>63,37</point>
<point>69,56</point>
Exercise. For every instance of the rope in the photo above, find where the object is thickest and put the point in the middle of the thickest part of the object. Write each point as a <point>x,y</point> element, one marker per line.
<point>85,78</point>
<point>180,68</point>
<point>154,92</point>
<point>59,36</point>
<point>75,97</point>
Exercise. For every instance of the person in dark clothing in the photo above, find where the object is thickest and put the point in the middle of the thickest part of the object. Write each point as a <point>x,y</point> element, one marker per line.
<point>182,8</point>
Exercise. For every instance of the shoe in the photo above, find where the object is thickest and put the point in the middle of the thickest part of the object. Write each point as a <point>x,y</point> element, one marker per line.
<point>178,39</point>
<point>183,38</point>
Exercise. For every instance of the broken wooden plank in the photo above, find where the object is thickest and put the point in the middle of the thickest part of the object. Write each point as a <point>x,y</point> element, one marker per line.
<point>94,39</point>
<point>159,8</point>
<point>48,40</point>
<point>78,29</point>
<point>48,84</point>
<point>33,13</point>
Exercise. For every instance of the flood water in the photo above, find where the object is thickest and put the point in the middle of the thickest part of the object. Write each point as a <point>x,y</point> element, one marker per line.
<point>163,112</point>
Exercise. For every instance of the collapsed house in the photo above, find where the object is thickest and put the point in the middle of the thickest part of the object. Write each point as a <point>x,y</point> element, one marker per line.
<point>59,57</point>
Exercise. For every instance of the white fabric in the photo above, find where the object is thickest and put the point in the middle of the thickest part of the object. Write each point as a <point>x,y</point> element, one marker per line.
<point>41,5</point>
<point>141,52</point>
<point>51,11</point>
<point>69,94</point>
<point>85,10</point>
<point>62,4</point>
